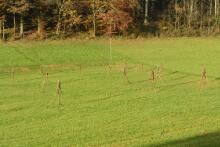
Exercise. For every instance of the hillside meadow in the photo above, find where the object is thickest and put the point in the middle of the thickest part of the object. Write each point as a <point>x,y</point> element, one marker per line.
<point>150,94</point>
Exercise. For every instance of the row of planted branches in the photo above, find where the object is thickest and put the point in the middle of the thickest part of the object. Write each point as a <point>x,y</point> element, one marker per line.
<point>154,75</point>
<point>63,18</point>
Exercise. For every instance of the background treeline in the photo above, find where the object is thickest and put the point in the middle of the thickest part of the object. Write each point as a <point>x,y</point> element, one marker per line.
<point>39,19</point>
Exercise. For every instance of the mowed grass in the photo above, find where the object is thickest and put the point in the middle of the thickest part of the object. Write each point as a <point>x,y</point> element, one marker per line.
<point>99,107</point>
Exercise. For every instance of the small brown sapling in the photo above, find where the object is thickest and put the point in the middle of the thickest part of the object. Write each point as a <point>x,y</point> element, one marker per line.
<point>158,75</point>
<point>153,78</point>
<point>203,81</point>
<point>45,78</point>
<point>109,67</point>
<point>59,91</point>
<point>125,70</point>
<point>41,70</point>
<point>47,74</point>
<point>204,74</point>
<point>80,68</point>
<point>12,73</point>
<point>44,75</point>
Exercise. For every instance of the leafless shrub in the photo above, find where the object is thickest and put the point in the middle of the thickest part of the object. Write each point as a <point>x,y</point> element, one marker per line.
<point>108,67</point>
<point>44,76</point>
<point>125,70</point>
<point>59,91</point>
<point>153,77</point>
<point>12,73</point>
<point>142,66</point>
<point>80,68</point>
<point>204,75</point>
<point>158,72</point>
<point>203,81</point>
<point>41,70</point>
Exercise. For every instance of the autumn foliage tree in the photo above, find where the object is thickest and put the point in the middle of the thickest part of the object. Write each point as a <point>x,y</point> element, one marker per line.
<point>64,18</point>
<point>68,17</point>
<point>117,18</point>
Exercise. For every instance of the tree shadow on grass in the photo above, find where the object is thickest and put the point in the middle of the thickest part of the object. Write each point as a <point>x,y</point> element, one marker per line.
<point>206,140</point>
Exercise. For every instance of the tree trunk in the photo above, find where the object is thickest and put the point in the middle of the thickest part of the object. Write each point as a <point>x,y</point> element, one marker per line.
<point>185,13</point>
<point>94,25</point>
<point>21,27</point>
<point>58,22</point>
<point>38,25</point>
<point>14,21</point>
<point>201,19</point>
<point>94,19</point>
<point>58,27</point>
<point>217,15</point>
<point>146,12</point>
<point>3,29</point>
<point>209,19</point>
<point>64,31</point>
<point>176,15</point>
<point>218,29</point>
<point>0,29</point>
<point>216,6</point>
<point>191,6</point>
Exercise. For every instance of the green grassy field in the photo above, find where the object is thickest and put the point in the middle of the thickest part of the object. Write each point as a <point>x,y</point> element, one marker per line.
<point>99,106</point>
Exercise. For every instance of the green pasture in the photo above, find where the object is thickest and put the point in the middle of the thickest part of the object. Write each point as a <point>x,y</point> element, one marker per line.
<point>100,106</point>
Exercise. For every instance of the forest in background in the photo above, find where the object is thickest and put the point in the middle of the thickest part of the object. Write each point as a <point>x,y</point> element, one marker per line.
<point>40,19</point>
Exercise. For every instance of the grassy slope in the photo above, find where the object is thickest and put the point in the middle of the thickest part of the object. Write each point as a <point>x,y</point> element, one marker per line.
<point>60,52</point>
<point>99,106</point>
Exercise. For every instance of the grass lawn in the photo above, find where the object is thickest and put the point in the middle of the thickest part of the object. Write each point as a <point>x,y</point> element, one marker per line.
<point>99,106</point>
